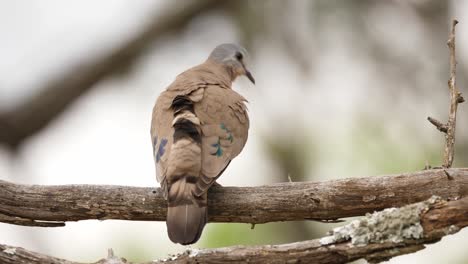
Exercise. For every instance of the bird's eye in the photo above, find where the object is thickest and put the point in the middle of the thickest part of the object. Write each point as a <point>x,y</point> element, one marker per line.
<point>239,56</point>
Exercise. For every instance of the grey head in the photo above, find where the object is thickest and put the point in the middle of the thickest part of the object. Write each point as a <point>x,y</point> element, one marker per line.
<point>234,58</point>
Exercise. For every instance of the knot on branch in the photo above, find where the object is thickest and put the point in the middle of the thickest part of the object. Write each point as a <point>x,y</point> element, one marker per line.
<point>460,98</point>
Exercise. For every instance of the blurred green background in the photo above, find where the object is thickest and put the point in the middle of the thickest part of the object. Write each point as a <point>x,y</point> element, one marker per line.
<point>343,90</point>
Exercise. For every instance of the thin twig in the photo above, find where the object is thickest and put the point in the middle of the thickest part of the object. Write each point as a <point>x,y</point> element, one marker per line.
<point>455,99</point>
<point>294,201</point>
<point>439,125</point>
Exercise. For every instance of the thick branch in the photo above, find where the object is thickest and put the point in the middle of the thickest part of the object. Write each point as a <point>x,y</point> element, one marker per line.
<point>437,219</point>
<point>52,99</point>
<point>455,99</point>
<point>279,202</point>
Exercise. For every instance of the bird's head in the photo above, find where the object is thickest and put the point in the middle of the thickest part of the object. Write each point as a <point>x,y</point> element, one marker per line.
<point>234,58</point>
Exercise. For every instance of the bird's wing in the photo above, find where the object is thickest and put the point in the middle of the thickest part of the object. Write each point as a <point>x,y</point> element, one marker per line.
<point>224,124</point>
<point>162,130</point>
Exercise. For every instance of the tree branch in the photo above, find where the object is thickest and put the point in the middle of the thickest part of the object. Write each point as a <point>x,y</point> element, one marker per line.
<point>433,219</point>
<point>54,205</point>
<point>455,98</point>
<point>52,99</point>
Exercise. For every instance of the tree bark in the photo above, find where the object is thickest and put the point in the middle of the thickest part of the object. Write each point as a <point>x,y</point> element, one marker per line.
<point>440,218</point>
<point>35,205</point>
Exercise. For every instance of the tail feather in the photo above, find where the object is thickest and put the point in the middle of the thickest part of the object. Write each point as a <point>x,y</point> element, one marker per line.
<point>186,214</point>
<point>185,223</point>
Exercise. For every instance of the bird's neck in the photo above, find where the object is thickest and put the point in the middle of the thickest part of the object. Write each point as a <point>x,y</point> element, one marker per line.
<point>218,72</point>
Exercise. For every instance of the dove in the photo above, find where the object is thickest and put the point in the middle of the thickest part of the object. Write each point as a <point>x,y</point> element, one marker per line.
<point>199,124</point>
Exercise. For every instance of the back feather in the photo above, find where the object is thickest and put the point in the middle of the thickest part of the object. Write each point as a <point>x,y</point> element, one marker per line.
<point>187,213</point>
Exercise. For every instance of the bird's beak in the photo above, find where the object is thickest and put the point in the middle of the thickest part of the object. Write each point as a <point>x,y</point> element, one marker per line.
<point>249,75</point>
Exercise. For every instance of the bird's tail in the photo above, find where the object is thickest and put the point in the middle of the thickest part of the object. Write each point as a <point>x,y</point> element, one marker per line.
<point>186,214</point>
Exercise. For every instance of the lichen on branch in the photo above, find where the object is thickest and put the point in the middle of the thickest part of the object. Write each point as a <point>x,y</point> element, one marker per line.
<point>390,225</point>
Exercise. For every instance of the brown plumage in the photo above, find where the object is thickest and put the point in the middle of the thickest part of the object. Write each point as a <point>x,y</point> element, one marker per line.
<point>199,125</point>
